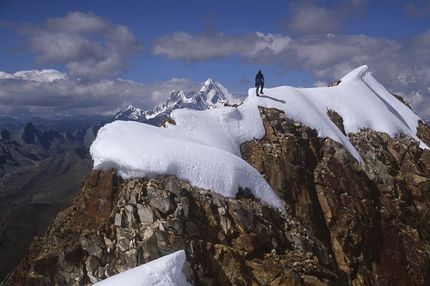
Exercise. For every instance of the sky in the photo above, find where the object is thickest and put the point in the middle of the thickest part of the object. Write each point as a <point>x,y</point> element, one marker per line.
<point>103,55</point>
<point>203,147</point>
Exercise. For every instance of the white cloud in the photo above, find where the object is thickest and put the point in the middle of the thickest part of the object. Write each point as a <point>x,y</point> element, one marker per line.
<point>320,54</point>
<point>90,46</point>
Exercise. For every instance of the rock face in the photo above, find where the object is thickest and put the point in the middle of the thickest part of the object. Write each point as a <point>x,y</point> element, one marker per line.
<point>347,223</point>
<point>374,217</point>
<point>115,225</point>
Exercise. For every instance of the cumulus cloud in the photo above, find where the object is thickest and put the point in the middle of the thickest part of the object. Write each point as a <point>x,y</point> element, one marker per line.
<point>90,46</point>
<point>50,92</point>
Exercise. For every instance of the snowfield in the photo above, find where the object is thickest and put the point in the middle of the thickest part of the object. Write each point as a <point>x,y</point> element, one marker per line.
<point>164,271</point>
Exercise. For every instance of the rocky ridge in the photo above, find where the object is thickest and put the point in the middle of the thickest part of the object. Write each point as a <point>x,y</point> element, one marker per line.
<point>347,223</point>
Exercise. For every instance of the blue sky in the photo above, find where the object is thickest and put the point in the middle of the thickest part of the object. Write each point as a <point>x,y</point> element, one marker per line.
<point>110,54</point>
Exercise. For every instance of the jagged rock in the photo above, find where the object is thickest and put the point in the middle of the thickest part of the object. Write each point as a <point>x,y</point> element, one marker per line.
<point>402,100</point>
<point>146,216</point>
<point>347,223</point>
<point>159,199</point>
<point>93,245</point>
<point>370,210</point>
<point>238,241</point>
<point>336,83</point>
<point>423,132</point>
<point>337,120</point>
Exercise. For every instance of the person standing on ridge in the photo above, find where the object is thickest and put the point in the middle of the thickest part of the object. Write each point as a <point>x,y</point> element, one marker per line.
<point>259,82</point>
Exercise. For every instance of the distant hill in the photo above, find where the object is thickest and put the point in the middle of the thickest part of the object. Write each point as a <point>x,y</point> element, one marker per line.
<point>29,145</point>
<point>32,196</point>
<point>64,124</point>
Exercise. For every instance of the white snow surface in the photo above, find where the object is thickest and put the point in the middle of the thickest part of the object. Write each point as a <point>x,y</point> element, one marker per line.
<point>204,146</point>
<point>164,271</point>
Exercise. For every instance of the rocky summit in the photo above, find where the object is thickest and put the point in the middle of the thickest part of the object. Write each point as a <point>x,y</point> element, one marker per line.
<point>347,223</point>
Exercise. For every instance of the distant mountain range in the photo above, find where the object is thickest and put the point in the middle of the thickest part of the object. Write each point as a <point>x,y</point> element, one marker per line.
<point>23,144</point>
<point>211,95</point>
<point>65,124</point>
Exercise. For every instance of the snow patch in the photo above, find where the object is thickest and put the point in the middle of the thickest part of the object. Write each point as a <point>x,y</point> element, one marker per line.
<point>164,271</point>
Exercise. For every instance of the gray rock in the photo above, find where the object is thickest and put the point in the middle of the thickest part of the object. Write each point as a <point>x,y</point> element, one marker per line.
<point>91,265</point>
<point>93,245</point>
<point>171,183</point>
<point>159,199</point>
<point>146,215</point>
<point>118,219</point>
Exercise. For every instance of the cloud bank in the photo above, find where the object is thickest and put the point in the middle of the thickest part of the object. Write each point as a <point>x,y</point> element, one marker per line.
<point>52,93</point>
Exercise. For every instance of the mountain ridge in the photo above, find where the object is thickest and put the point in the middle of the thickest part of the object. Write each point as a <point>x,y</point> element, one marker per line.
<point>355,195</point>
<point>211,95</point>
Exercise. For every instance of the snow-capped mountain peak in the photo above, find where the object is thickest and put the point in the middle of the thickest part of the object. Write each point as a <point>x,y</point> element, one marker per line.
<point>209,84</point>
<point>211,95</point>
